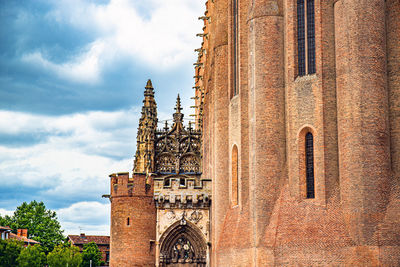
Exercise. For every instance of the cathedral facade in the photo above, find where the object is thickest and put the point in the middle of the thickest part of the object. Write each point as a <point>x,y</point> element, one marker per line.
<point>294,157</point>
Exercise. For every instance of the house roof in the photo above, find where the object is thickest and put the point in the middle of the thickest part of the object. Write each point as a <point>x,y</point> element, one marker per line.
<point>84,239</point>
<point>23,238</point>
<point>5,228</point>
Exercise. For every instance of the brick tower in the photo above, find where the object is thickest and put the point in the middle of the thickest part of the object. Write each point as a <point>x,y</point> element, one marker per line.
<point>133,213</point>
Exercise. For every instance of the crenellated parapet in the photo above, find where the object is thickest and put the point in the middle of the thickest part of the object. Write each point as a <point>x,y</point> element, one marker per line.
<point>122,185</point>
<point>182,192</point>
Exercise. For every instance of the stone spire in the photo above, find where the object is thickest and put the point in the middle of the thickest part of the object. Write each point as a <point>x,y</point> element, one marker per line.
<point>178,116</point>
<point>144,158</point>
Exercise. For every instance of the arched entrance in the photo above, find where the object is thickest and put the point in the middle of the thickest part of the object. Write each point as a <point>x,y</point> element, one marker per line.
<point>183,245</point>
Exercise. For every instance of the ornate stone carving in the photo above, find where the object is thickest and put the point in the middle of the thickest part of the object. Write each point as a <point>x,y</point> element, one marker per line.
<point>196,216</point>
<point>178,150</point>
<point>171,215</point>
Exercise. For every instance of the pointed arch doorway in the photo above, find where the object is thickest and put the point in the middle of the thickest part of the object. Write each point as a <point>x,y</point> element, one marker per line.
<point>183,245</point>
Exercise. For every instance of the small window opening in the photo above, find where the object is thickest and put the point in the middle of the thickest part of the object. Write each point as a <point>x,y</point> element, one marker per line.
<point>128,221</point>
<point>310,165</point>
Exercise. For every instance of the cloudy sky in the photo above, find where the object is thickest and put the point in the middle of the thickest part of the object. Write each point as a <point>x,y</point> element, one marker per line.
<point>72,76</point>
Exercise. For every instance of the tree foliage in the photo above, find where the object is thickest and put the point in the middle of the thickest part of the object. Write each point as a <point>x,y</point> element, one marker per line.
<point>32,256</point>
<point>9,252</point>
<point>42,224</point>
<point>62,256</point>
<point>91,252</point>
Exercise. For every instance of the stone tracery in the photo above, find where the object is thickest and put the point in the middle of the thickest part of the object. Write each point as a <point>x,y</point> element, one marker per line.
<point>178,150</point>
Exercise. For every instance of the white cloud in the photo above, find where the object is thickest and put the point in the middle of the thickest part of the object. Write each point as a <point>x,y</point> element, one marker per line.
<point>91,218</point>
<point>73,163</point>
<point>85,68</point>
<point>4,212</point>
<point>80,150</point>
<point>160,34</point>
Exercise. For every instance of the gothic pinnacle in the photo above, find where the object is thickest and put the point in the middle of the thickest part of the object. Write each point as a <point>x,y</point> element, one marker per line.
<point>149,89</point>
<point>178,116</point>
<point>178,105</point>
<point>149,84</point>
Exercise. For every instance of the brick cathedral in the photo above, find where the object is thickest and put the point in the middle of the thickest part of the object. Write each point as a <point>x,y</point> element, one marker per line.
<point>294,155</point>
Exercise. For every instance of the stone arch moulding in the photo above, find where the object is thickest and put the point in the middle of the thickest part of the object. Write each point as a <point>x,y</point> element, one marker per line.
<point>301,152</point>
<point>184,244</point>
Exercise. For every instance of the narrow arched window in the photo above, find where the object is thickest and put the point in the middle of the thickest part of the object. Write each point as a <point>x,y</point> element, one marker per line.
<point>310,165</point>
<point>305,43</point>
<point>128,221</point>
<point>235,180</point>
<point>310,37</point>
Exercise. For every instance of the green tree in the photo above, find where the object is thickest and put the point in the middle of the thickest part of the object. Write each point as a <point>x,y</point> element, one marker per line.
<point>9,252</point>
<point>42,224</point>
<point>62,256</point>
<point>32,256</point>
<point>91,252</point>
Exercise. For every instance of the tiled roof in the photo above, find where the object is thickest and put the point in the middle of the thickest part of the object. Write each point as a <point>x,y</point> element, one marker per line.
<point>22,238</point>
<point>84,239</point>
<point>5,228</point>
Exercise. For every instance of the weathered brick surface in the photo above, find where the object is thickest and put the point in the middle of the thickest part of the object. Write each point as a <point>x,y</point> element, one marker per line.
<point>393,71</point>
<point>364,151</point>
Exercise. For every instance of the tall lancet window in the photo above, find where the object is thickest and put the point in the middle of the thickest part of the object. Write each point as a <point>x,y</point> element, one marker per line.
<point>310,37</point>
<point>235,39</point>
<point>310,165</point>
<point>301,39</point>
<point>305,43</point>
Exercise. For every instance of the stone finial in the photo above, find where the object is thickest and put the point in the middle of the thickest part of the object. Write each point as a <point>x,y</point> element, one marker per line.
<point>149,89</point>
<point>149,84</point>
<point>178,105</point>
<point>178,116</point>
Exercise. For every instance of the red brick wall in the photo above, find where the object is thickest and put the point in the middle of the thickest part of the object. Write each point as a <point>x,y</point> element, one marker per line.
<point>352,111</point>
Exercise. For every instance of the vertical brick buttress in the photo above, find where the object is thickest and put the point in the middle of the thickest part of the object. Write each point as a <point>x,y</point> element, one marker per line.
<point>221,111</point>
<point>267,119</point>
<point>393,70</point>
<point>363,125</point>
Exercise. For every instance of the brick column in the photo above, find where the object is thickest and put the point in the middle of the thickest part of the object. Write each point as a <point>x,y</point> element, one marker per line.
<point>221,112</point>
<point>266,117</point>
<point>363,127</point>
<point>393,59</point>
